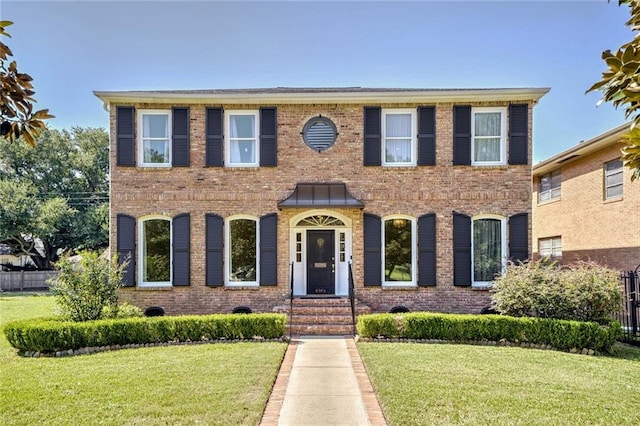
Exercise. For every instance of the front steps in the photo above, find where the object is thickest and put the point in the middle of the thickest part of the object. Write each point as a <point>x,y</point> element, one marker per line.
<point>330,316</point>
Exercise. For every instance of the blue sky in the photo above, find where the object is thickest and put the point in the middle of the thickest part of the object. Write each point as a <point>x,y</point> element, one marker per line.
<point>72,48</point>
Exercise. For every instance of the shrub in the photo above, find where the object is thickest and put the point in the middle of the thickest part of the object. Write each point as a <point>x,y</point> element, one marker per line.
<point>123,310</point>
<point>51,335</point>
<point>84,290</point>
<point>584,291</point>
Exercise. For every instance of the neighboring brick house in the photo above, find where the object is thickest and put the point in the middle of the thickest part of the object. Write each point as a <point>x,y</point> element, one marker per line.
<point>585,205</point>
<point>222,198</point>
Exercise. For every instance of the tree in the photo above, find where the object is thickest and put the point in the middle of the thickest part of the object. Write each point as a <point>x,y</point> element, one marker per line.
<point>17,115</point>
<point>53,198</point>
<point>620,85</point>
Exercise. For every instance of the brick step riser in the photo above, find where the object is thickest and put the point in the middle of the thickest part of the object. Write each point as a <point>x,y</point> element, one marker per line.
<point>311,319</point>
<point>321,302</point>
<point>322,309</point>
<point>322,330</point>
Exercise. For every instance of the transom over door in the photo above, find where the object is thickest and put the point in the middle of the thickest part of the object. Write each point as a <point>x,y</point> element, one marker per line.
<point>321,262</point>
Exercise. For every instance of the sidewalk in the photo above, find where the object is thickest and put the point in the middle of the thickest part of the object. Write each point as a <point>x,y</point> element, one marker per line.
<point>322,382</point>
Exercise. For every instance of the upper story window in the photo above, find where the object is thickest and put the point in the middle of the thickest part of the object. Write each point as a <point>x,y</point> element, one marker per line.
<point>398,142</point>
<point>241,146</point>
<point>488,242</point>
<point>155,138</point>
<point>550,248</point>
<point>155,252</point>
<point>613,179</point>
<point>242,246</point>
<point>488,127</point>
<point>549,188</point>
<point>399,251</point>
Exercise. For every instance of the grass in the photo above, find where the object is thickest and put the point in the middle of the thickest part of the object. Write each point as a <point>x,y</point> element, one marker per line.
<point>423,384</point>
<point>225,383</point>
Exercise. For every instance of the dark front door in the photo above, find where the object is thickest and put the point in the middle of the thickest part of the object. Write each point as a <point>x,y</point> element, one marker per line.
<point>320,262</point>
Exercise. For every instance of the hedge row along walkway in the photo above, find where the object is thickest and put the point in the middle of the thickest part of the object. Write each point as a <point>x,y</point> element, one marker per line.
<point>322,381</point>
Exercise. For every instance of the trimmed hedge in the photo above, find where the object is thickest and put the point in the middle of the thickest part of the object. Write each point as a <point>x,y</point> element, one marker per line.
<point>560,334</point>
<point>51,335</point>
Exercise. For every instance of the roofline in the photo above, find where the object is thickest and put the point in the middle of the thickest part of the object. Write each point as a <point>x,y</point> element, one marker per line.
<point>345,96</point>
<point>578,151</point>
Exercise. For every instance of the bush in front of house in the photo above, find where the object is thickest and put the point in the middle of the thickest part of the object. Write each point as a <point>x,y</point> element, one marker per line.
<point>560,334</point>
<point>52,335</point>
<point>583,291</point>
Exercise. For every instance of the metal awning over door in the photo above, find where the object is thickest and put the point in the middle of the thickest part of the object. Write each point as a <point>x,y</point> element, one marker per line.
<point>320,195</point>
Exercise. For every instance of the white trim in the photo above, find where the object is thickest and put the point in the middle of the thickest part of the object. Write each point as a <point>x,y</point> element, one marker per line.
<point>414,252</point>
<point>503,243</point>
<point>503,135</point>
<point>227,137</point>
<point>319,212</point>
<point>140,140</point>
<point>141,245</point>
<point>228,247</point>
<point>414,145</point>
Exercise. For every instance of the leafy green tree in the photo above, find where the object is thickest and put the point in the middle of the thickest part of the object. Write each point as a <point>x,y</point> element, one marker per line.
<point>16,90</point>
<point>620,85</point>
<point>53,198</point>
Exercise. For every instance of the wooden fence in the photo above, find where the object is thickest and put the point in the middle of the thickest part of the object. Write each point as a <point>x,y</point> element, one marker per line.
<point>25,280</point>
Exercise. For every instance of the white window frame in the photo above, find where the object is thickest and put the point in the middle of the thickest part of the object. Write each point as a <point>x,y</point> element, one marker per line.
<point>414,145</point>
<point>228,248</point>
<point>503,135</point>
<point>141,245</point>
<point>553,193</point>
<point>140,114</point>
<point>227,137</point>
<point>607,174</point>
<point>555,244</point>
<point>503,254</point>
<point>414,253</point>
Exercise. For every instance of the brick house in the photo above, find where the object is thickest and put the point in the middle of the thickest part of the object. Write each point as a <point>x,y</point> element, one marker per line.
<point>225,198</point>
<point>585,205</point>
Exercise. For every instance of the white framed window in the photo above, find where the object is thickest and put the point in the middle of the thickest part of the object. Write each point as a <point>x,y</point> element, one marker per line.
<point>154,138</point>
<point>155,263</point>
<point>488,138</point>
<point>489,249</point>
<point>399,251</point>
<point>242,264</point>
<point>549,188</point>
<point>242,138</point>
<point>613,179</point>
<point>398,137</point>
<point>550,248</point>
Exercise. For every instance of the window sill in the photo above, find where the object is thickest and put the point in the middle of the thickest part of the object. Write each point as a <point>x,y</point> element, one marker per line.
<point>242,287</point>
<point>154,288</point>
<point>152,168</point>
<point>490,166</point>
<point>482,287</point>
<point>613,199</point>
<point>549,201</point>
<point>407,287</point>
<point>399,166</point>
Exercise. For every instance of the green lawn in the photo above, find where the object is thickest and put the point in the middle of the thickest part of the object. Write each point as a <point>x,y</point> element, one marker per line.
<point>423,384</point>
<point>226,383</point>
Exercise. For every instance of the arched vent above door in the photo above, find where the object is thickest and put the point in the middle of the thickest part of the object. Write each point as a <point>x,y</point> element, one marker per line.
<point>320,220</point>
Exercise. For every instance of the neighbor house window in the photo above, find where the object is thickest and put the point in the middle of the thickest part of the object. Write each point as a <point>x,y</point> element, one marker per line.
<point>489,249</point>
<point>154,138</point>
<point>488,136</point>
<point>613,179</point>
<point>398,129</point>
<point>155,253</point>
<point>550,248</point>
<point>242,138</point>
<point>549,188</point>
<point>399,253</point>
<point>242,248</point>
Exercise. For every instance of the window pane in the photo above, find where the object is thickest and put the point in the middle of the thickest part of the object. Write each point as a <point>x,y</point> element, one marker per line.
<point>156,251</point>
<point>398,151</point>
<point>242,126</point>
<point>614,179</point>
<point>487,124</point>
<point>156,151</point>
<point>545,183</point>
<point>614,191</point>
<point>612,166</point>
<point>243,152</point>
<point>397,250</point>
<point>398,125</point>
<point>155,126</point>
<point>243,250</point>
<point>487,149</point>
<point>487,249</point>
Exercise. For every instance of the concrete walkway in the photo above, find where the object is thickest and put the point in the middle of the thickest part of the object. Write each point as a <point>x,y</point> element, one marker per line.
<point>322,381</point>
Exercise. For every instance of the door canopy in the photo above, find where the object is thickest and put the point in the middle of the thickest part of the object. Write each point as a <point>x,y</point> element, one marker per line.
<point>320,195</point>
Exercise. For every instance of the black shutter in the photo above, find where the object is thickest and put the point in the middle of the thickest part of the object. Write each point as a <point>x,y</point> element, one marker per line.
<point>518,134</point>
<point>268,137</point>
<point>214,226</point>
<point>126,247</point>
<point>427,250</point>
<point>372,250</point>
<point>181,249</point>
<point>461,135</point>
<point>519,237</point>
<point>427,136</point>
<point>269,249</point>
<point>372,136</point>
<point>214,137</point>
<point>180,138</point>
<point>461,250</point>
<point>125,135</point>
